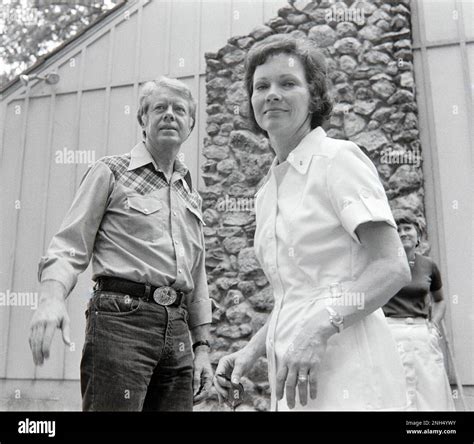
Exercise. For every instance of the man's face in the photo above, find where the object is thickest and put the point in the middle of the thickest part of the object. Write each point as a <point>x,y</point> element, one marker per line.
<point>168,120</point>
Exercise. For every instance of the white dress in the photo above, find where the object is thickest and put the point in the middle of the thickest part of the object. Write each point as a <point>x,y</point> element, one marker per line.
<point>307,211</point>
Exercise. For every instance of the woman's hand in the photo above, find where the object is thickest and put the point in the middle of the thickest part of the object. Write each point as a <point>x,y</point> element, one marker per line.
<point>302,361</point>
<point>234,366</point>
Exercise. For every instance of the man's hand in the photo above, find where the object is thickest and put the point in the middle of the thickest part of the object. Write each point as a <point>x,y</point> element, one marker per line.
<point>203,374</point>
<point>50,315</point>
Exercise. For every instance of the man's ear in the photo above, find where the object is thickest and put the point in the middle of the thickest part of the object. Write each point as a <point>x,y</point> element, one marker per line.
<point>191,126</point>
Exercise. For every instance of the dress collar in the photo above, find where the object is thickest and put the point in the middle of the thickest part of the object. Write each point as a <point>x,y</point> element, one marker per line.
<point>300,157</point>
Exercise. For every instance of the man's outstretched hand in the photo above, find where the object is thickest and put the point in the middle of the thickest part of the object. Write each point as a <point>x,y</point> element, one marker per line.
<point>50,315</point>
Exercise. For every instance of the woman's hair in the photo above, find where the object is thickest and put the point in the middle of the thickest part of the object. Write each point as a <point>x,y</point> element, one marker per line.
<point>406,217</point>
<point>164,82</point>
<point>314,66</point>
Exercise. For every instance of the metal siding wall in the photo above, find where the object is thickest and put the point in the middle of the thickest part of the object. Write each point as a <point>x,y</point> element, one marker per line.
<point>27,248</point>
<point>12,155</point>
<point>122,115</point>
<point>468,18</point>
<point>245,15</point>
<point>436,12</point>
<point>215,27</point>
<point>183,41</point>
<point>93,107</point>
<point>443,79</point>
<point>154,41</point>
<point>61,191</point>
<point>123,50</point>
<point>95,70</point>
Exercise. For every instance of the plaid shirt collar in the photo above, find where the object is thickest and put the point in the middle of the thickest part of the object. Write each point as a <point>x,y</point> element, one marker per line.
<point>140,156</point>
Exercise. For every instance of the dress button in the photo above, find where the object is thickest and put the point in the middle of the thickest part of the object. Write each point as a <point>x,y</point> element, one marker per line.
<point>365,193</point>
<point>174,213</point>
<point>180,271</point>
<point>145,210</point>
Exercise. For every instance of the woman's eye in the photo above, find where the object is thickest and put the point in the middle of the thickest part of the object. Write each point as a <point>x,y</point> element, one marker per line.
<point>289,83</point>
<point>160,107</point>
<point>260,87</point>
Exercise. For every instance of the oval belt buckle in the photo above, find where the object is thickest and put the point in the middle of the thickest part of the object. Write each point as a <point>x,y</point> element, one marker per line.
<point>164,295</point>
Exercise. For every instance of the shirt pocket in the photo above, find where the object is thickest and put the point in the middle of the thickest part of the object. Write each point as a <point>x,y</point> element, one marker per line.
<point>146,217</point>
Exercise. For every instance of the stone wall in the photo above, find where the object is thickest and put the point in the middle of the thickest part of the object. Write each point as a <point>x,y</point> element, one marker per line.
<point>368,47</point>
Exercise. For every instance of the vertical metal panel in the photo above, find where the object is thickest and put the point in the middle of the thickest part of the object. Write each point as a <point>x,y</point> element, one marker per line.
<point>69,73</point>
<point>215,27</point>
<point>436,13</point>
<point>93,124</point>
<point>20,363</point>
<point>124,49</point>
<point>108,87</point>
<point>451,127</point>
<point>467,15</point>
<point>61,187</point>
<point>95,70</point>
<point>183,38</point>
<point>10,167</point>
<point>465,66</point>
<point>246,14</point>
<point>122,111</point>
<point>154,39</point>
<point>136,64</point>
<point>470,62</point>
<point>445,112</point>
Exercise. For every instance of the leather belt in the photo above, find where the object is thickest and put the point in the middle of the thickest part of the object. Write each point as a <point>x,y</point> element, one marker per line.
<point>167,296</point>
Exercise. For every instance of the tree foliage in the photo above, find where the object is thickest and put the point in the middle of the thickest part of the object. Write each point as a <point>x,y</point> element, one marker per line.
<point>30,29</point>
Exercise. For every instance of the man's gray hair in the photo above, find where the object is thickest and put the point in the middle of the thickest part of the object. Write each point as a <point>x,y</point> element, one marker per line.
<point>164,82</point>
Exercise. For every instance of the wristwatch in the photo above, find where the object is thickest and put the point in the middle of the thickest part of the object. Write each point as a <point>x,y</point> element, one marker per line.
<point>335,319</point>
<point>198,343</point>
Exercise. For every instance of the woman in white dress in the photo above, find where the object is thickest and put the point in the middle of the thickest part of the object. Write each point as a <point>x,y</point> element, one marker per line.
<point>327,242</point>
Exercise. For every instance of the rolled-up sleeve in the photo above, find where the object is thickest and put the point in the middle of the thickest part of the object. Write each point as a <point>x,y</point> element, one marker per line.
<point>355,190</point>
<point>198,303</point>
<point>70,250</point>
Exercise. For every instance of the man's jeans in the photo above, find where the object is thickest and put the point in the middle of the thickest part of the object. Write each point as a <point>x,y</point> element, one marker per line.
<point>137,356</point>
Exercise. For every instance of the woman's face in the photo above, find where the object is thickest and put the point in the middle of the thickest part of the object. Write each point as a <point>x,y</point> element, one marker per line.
<point>281,96</point>
<point>408,235</point>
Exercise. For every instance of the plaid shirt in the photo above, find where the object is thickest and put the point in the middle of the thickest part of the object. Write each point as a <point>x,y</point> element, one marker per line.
<point>135,225</point>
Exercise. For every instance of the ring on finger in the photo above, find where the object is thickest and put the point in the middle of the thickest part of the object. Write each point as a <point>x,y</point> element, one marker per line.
<point>302,378</point>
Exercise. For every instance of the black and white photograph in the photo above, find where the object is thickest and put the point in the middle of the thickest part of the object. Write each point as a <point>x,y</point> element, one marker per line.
<point>225,206</point>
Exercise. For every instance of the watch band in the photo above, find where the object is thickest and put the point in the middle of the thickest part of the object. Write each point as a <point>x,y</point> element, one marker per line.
<point>198,343</point>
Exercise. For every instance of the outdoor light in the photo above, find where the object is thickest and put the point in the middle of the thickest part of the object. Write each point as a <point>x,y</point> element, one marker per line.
<point>51,78</point>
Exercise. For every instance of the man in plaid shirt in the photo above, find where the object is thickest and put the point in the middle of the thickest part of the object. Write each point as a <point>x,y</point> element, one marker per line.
<point>138,217</point>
